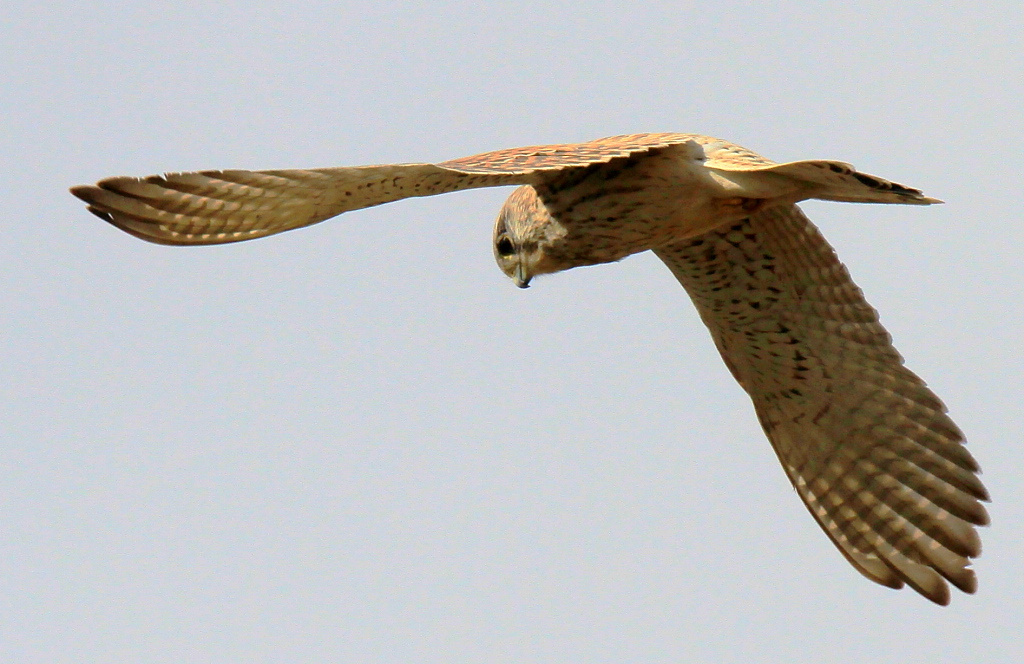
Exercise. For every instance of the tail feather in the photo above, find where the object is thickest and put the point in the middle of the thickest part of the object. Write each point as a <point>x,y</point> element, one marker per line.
<point>800,180</point>
<point>838,181</point>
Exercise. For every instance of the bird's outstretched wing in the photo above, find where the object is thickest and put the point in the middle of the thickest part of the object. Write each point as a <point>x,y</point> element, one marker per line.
<point>214,207</point>
<point>866,444</point>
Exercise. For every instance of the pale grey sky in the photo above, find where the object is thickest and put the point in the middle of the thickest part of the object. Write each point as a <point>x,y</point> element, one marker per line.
<point>360,442</point>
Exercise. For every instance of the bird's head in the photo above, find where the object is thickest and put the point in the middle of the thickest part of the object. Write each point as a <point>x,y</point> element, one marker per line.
<point>525,235</point>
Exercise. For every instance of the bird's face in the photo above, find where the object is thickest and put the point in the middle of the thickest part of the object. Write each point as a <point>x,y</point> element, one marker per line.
<point>524,235</point>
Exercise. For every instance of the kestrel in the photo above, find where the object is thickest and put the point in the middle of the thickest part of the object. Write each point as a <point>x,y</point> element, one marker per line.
<point>867,446</point>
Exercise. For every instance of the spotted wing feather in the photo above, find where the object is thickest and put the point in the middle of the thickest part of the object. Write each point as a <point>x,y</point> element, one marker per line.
<point>214,207</point>
<point>868,447</point>
<point>540,158</point>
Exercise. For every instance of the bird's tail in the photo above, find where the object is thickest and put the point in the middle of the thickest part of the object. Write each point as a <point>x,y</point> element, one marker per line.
<point>839,181</point>
<point>825,180</point>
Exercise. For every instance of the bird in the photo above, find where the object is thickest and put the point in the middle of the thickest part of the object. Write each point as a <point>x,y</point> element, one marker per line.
<point>867,446</point>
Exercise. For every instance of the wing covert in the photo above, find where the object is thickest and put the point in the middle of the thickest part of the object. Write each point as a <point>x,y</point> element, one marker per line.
<point>537,159</point>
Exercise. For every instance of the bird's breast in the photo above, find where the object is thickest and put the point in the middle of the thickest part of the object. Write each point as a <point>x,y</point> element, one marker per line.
<point>610,211</point>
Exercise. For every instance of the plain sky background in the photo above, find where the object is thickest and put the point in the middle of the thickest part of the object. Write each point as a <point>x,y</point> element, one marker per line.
<point>359,442</point>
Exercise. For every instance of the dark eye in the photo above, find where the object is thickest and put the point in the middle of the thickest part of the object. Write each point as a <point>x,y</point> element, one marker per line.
<point>505,247</point>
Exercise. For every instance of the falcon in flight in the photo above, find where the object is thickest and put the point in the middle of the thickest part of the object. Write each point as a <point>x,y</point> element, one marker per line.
<point>868,447</point>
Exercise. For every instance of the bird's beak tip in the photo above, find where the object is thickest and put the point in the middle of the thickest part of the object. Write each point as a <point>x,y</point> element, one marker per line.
<point>520,277</point>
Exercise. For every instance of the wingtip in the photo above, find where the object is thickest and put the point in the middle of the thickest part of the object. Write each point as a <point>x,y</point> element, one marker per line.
<point>102,214</point>
<point>83,192</point>
<point>941,597</point>
<point>87,193</point>
<point>966,581</point>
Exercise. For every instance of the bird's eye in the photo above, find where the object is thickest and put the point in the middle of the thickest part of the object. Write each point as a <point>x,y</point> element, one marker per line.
<point>505,247</point>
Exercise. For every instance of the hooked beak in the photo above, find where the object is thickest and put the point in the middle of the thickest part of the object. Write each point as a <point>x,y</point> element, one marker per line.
<point>520,277</point>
